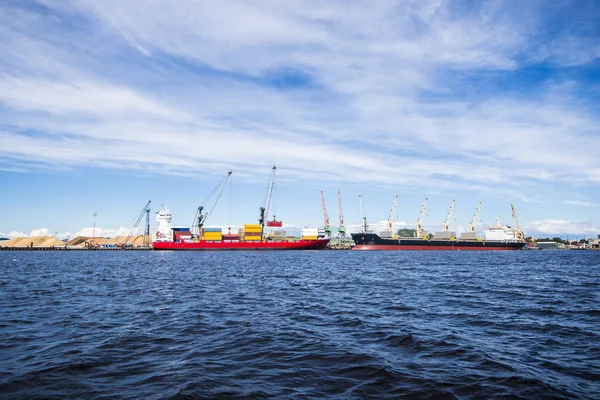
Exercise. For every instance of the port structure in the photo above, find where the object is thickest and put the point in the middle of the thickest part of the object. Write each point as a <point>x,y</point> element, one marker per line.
<point>363,218</point>
<point>327,226</point>
<point>264,212</point>
<point>518,232</point>
<point>392,216</point>
<point>419,230</point>
<point>341,227</point>
<point>212,199</point>
<point>449,216</point>
<point>145,211</point>
<point>473,223</point>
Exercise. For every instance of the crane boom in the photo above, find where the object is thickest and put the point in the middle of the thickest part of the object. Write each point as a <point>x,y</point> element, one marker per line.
<point>145,210</point>
<point>327,227</point>
<point>449,216</point>
<point>362,214</point>
<point>269,195</point>
<point>325,215</point>
<point>518,232</point>
<point>473,223</point>
<point>419,229</point>
<point>213,197</point>
<point>341,228</point>
<point>390,221</point>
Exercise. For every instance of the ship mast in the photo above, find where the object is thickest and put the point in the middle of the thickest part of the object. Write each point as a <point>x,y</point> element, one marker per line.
<point>327,227</point>
<point>473,223</point>
<point>390,221</point>
<point>341,228</point>
<point>449,216</point>
<point>419,229</point>
<point>518,232</point>
<point>362,214</point>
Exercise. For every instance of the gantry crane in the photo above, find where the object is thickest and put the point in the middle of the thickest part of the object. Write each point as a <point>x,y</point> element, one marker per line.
<point>449,216</point>
<point>341,228</point>
<point>213,197</point>
<point>362,214</point>
<point>145,210</point>
<point>473,223</point>
<point>327,227</point>
<point>390,221</point>
<point>518,232</point>
<point>419,229</point>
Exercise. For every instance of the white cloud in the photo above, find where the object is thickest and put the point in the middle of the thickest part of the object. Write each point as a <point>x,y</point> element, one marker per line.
<point>103,232</point>
<point>14,234</point>
<point>561,227</point>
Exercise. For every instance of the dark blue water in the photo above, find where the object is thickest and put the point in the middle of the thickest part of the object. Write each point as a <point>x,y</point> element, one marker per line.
<point>300,324</point>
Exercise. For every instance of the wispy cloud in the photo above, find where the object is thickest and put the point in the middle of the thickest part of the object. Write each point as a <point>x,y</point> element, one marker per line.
<point>437,94</point>
<point>561,227</point>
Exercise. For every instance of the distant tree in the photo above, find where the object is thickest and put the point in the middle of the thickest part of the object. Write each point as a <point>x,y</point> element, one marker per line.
<point>407,232</point>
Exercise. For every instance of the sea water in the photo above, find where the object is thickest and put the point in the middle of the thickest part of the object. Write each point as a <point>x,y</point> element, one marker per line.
<point>292,324</point>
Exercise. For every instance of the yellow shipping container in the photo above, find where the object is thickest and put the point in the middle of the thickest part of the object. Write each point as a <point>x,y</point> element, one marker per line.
<point>212,237</point>
<point>252,228</point>
<point>309,237</point>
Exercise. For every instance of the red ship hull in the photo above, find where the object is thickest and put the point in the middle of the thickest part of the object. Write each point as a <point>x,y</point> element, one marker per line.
<point>243,245</point>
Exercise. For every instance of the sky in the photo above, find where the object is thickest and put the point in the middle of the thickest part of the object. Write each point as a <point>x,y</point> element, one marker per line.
<point>105,105</point>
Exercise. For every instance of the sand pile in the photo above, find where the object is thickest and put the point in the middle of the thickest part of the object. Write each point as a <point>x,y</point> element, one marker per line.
<point>79,240</point>
<point>9,243</point>
<point>53,241</point>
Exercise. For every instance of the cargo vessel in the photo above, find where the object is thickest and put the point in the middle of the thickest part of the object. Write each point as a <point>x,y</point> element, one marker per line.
<point>372,241</point>
<point>250,237</point>
<point>496,237</point>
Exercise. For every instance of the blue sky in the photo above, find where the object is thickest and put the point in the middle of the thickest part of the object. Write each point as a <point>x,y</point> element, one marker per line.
<point>105,105</point>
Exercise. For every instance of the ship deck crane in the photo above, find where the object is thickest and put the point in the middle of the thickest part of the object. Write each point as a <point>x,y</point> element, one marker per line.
<point>449,216</point>
<point>362,214</point>
<point>518,232</point>
<point>419,229</point>
<point>274,222</point>
<point>213,197</point>
<point>473,223</point>
<point>145,210</point>
<point>390,221</point>
<point>327,227</point>
<point>341,228</point>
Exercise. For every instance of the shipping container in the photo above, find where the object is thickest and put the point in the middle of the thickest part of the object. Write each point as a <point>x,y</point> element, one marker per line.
<point>180,229</point>
<point>309,237</point>
<point>213,230</point>
<point>230,237</point>
<point>212,234</point>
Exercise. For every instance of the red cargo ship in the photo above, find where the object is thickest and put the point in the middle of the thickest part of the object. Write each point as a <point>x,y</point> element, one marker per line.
<point>252,237</point>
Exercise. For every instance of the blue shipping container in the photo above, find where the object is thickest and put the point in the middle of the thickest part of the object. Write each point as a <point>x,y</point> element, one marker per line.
<point>212,229</point>
<point>180,229</point>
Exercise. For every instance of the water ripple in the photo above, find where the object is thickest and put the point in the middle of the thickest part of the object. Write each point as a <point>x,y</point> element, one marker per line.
<point>300,325</point>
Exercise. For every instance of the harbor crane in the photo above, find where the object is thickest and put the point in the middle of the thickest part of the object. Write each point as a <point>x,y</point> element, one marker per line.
<point>518,232</point>
<point>390,221</point>
<point>449,216</point>
<point>145,210</point>
<point>362,214</point>
<point>473,223</point>
<point>213,197</point>
<point>327,227</point>
<point>419,229</point>
<point>341,228</point>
